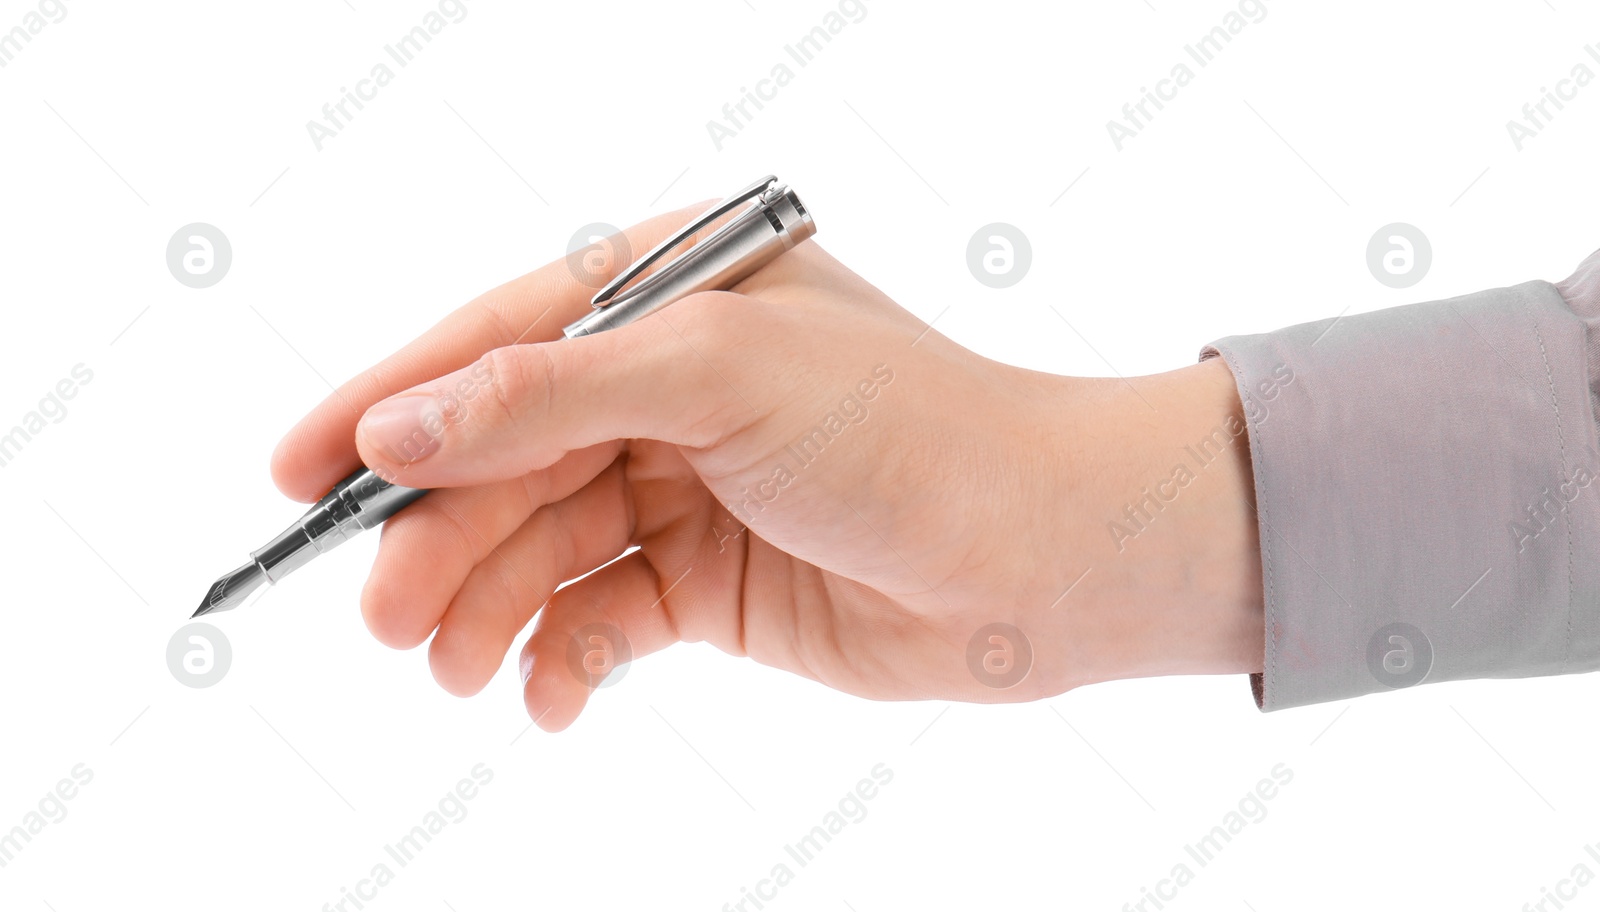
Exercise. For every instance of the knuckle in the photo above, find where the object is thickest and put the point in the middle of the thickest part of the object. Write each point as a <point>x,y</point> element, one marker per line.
<point>518,380</point>
<point>727,371</point>
<point>493,314</point>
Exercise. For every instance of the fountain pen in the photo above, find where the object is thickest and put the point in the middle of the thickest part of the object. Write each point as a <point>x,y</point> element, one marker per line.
<point>773,221</point>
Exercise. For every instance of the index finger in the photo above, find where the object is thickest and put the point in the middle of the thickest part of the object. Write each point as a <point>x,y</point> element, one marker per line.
<point>321,448</point>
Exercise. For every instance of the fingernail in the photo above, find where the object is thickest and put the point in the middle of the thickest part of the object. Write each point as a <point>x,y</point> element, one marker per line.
<point>404,428</point>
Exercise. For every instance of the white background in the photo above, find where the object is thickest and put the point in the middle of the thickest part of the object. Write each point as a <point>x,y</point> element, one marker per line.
<point>1246,205</point>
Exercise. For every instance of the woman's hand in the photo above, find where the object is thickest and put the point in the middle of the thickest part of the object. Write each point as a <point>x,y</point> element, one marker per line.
<point>813,477</point>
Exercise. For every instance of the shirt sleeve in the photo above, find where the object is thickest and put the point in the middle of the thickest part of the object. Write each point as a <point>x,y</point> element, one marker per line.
<point>1424,485</point>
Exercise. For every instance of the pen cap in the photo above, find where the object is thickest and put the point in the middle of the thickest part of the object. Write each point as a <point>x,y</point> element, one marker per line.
<point>777,222</point>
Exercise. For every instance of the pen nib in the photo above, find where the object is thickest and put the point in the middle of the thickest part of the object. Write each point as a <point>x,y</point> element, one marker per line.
<point>232,589</point>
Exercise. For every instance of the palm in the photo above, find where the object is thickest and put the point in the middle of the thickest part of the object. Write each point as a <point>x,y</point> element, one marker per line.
<point>728,585</point>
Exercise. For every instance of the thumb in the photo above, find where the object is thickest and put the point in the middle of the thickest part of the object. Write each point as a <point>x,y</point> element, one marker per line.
<point>678,376</point>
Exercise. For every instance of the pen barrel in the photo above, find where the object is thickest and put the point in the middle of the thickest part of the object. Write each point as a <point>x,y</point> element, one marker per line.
<point>726,257</point>
<point>359,502</point>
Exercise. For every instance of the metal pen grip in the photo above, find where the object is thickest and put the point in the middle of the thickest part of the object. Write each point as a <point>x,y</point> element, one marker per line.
<point>367,500</point>
<point>361,501</point>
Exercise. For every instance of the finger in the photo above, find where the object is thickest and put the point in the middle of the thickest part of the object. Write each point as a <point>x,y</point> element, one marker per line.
<point>562,540</point>
<point>692,377</point>
<point>429,549</point>
<point>591,627</point>
<point>320,450</point>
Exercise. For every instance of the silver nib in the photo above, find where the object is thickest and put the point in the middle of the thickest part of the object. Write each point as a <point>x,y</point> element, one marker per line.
<point>360,502</point>
<point>231,590</point>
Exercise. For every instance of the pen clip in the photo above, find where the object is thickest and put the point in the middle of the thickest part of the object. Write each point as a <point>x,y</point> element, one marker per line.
<point>612,288</point>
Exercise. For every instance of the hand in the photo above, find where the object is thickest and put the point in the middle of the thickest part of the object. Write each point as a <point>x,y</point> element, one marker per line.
<point>813,477</point>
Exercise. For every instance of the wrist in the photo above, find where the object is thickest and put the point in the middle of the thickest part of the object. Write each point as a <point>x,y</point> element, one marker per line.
<point>1160,511</point>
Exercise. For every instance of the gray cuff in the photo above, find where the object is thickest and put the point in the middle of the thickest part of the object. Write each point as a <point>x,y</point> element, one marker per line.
<point>1424,489</point>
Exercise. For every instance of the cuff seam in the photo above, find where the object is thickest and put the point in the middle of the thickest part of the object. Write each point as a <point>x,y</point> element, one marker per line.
<point>1561,442</point>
